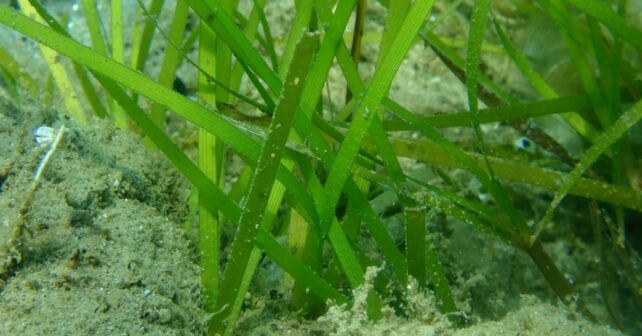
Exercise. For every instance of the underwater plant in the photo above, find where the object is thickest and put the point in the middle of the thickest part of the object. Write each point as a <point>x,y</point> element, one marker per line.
<point>321,174</point>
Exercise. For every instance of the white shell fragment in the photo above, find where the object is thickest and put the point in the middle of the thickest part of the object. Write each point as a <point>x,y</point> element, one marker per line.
<point>44,135</point>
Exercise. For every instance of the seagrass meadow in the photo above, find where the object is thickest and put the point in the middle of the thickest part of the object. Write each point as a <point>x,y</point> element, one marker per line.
<point>321,167</point>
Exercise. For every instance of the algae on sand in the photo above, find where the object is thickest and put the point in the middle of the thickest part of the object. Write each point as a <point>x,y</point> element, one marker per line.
<point>100,252</point>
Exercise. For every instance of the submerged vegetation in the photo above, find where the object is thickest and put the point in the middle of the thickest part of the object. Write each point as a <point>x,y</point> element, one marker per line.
<point>321,174</point>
